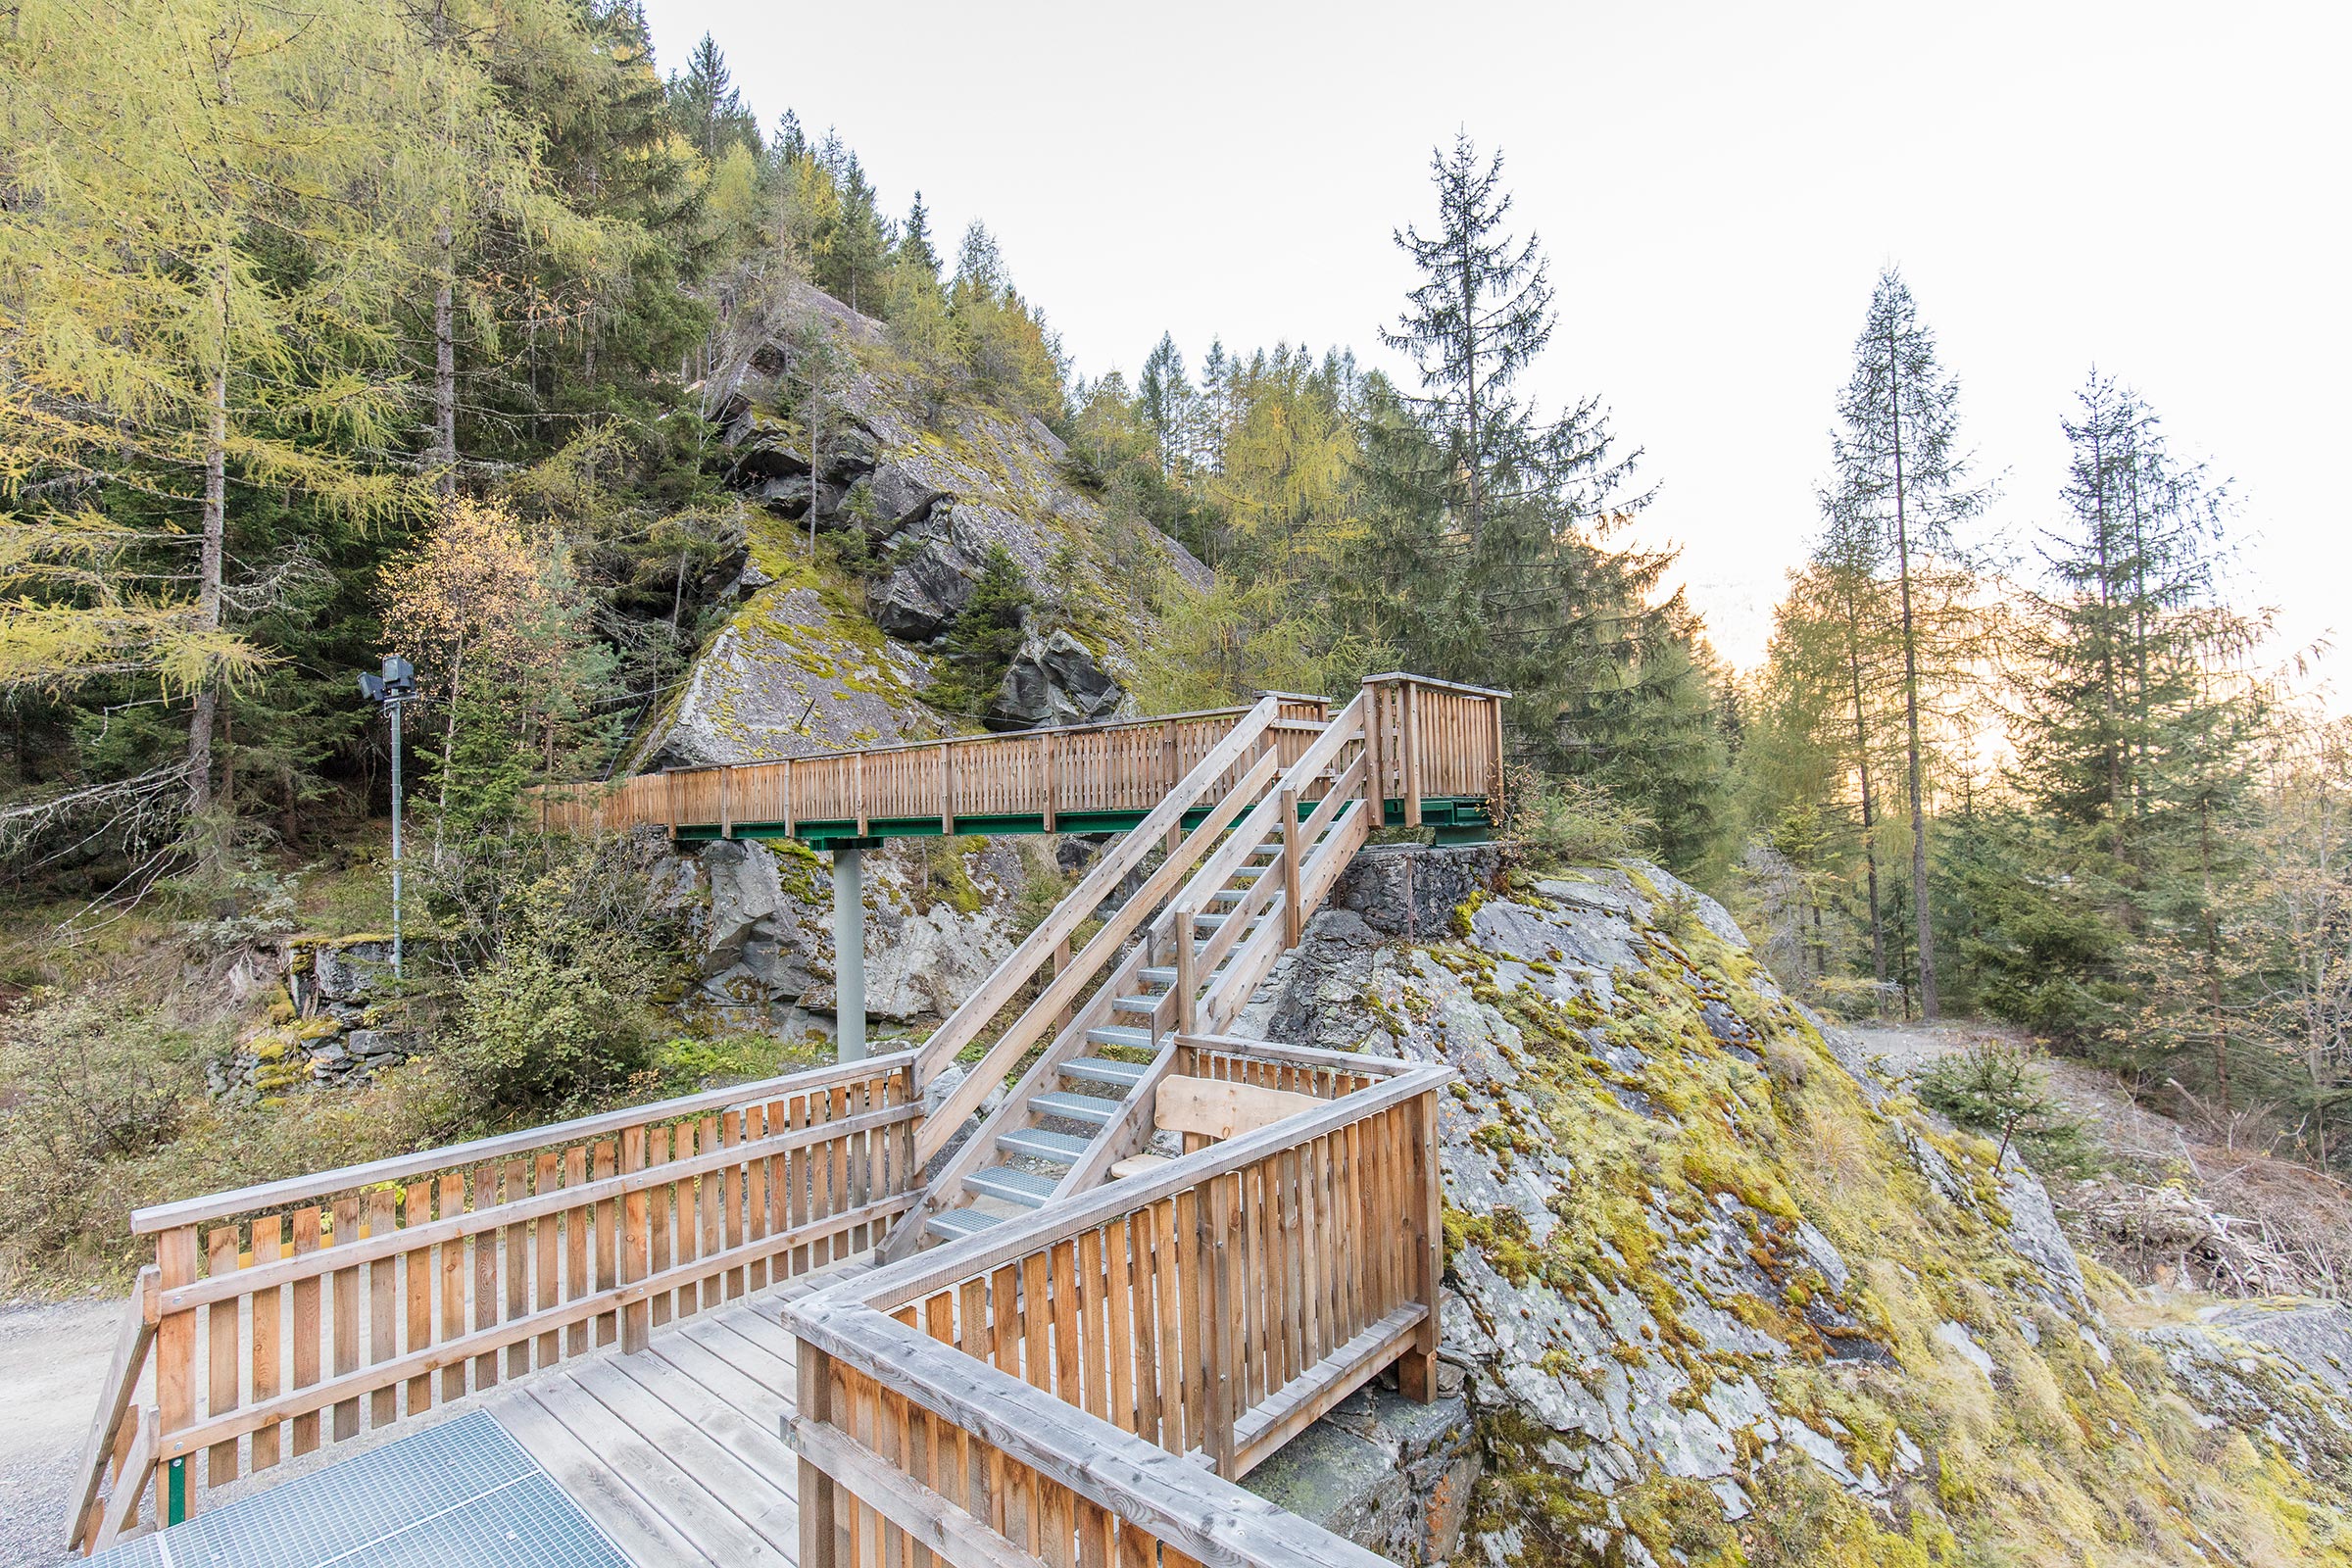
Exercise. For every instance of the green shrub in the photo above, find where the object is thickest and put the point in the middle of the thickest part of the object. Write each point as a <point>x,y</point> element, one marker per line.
<point>566,948</point>
<point>1571,821</point>
<point>1996,1089</point>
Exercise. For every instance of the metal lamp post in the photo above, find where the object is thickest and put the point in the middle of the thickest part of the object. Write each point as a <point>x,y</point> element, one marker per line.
<point>393,689</point>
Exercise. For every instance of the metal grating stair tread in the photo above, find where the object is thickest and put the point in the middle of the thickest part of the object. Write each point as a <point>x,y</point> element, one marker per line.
<point>1114,1035</point>
<point>1074,1107</point>
<point>1023,1187</point>
<point>1035,1143</point>
<point>463,1491</point>
<point>1106,1070</point>
<point>957,1223</point>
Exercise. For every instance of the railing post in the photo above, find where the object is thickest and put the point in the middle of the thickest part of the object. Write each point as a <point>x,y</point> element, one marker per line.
<point>1410,744</point>
<point>726,806</point>
<point>1417,1368</point>
<point>1062,962</point>
<point>1376,770</point>
<point>1293,854</point>
<point>636,1243</point>
<point>947,789</point>
<point>1221,1219</point>
<point>1181,929</point>
<point>812,1395</point>
<point>174,1376</point>
<point>1169,778</point>
<point>1494,713</point>
<point>1050,789</point>
<point>790,822</point>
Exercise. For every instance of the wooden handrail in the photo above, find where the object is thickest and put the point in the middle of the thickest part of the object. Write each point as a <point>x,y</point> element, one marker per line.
<point>1401,678</point>
<point>894,1285</point>
<point>399,1167</point>
<point>115,1394</point>
<point>1169,1498</point>
<point>503,1255</point>
<point>1107,1346</point>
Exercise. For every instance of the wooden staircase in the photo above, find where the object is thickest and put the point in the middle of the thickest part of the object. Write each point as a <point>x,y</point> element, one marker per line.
<point>1227,901</point>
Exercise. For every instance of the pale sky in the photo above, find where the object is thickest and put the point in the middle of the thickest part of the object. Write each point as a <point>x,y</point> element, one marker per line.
<point>2157,187</point>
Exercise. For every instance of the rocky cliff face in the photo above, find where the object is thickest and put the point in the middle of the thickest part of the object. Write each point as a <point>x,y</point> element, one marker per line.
<point>1718,1293</point>
<point>917,485</point>
<point>939,918</point>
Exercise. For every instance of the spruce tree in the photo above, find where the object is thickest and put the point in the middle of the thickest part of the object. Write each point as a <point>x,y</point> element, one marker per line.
<point>1483,555</point>
<point>1901,471</point>
<point>1168,399</point>
<point>709,109</point>
<point>1480,315</point>
<point>2139,721</point>
<point>914,239</point>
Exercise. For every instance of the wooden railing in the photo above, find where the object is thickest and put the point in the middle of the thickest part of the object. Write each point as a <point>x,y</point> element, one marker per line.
<point>1057,1388</point>
<point>285,1317</point>
<point>1045,773</point>
<point>1434,738</point>
<point>1311,813</point>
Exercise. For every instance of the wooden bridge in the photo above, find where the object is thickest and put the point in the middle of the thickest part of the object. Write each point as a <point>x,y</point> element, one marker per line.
<point>713,1321</point>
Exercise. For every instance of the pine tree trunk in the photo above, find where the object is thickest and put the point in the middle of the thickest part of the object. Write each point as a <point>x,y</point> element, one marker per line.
<point>208,568</point>
<point>1925,929</point>
<point>2212,955</point>
<point>1870,848</point>
<point>445,368</point>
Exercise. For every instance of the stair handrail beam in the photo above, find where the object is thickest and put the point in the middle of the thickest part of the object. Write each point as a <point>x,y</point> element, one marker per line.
<point>114,1397</point>
<point>1267,894</point>
<point>948,1117</point>
<point>965,1024</point>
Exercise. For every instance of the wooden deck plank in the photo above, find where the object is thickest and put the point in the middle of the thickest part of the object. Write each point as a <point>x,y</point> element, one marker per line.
<point>770,1337</point>
<point>752,1357</point>
<point>757,1442</point>
<point>718,1533</point>
<point>737,1485</point>
<point>746,1392</point>
<point>608,1499</point>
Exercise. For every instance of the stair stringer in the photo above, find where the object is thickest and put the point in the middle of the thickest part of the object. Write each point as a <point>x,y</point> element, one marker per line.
<point>947,1183</point>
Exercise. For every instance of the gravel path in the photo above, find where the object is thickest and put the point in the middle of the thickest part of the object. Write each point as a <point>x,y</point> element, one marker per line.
<point>52,1360</point>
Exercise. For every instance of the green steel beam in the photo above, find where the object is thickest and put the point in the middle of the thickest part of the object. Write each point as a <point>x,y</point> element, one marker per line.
<point>1457,820</point>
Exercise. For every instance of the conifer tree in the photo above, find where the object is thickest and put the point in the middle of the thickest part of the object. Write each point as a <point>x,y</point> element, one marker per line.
<point>198,262</point>
<point>914,239</point>
<point>708,107</point>
<point>1900,472</point>
<point>1167,400</point>
<point>1480,315</point>
<point>1482,555</point>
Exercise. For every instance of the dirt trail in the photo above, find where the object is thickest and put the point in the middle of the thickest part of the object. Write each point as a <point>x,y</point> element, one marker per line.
<point>52,1360</point>
<point>2127,1129</point>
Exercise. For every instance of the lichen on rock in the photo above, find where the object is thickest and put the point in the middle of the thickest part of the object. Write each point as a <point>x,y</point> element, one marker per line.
<point>1720,1297</point>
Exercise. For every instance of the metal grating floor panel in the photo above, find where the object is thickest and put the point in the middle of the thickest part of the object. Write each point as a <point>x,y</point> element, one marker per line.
<point>457,1493</point>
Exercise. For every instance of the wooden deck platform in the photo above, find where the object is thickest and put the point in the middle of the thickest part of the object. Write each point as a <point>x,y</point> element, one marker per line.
<point>676,1451</point>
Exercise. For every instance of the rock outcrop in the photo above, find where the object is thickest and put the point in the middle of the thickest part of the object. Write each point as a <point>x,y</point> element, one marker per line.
<point>321,1028</point>
<point>1057,680</point>
<point>1716,1296</point>
<point>939,918</point>
<point>919,484</point>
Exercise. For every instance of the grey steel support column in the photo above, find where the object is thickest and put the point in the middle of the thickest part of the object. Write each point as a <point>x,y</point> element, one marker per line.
<point>849,954</point>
